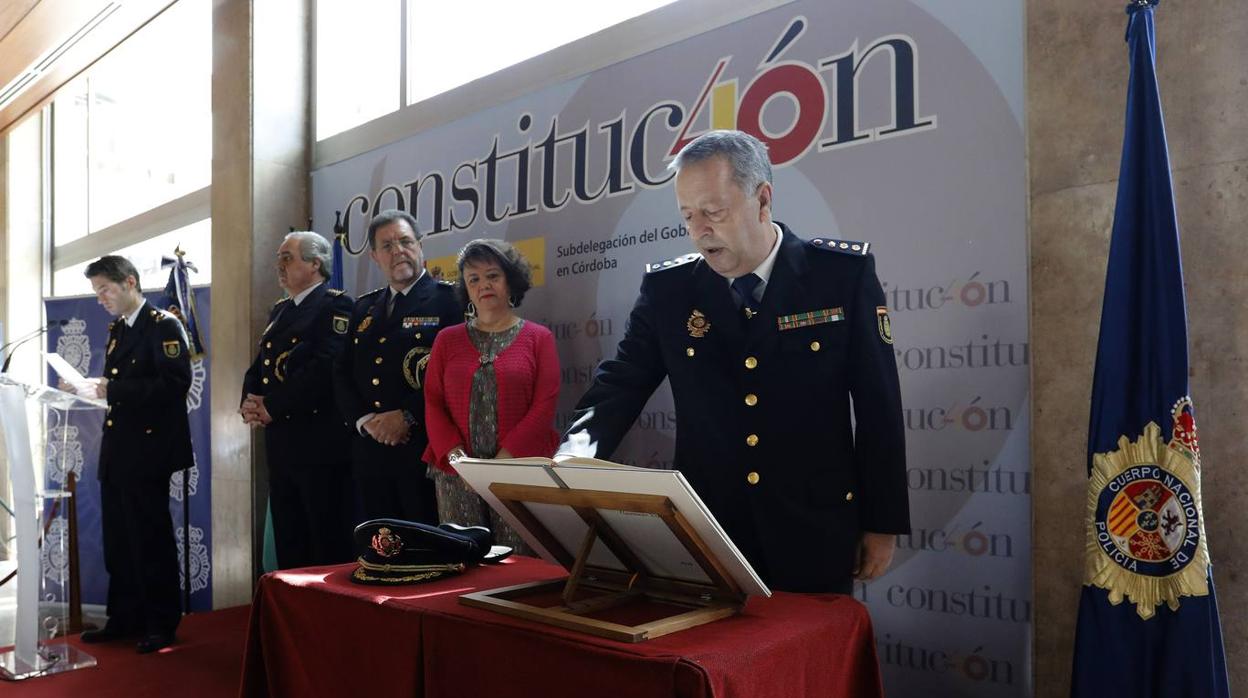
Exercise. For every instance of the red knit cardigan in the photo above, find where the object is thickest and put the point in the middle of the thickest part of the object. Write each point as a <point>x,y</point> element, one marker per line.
<point>527,372</point>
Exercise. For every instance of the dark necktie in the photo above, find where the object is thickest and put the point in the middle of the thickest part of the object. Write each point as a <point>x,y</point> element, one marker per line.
<point>744,287</point>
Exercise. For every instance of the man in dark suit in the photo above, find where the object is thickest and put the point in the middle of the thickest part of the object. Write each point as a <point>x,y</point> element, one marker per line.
<point>288,392</point>
<point>765,338</point>
<point>147,438</point>
<point>377,379</point>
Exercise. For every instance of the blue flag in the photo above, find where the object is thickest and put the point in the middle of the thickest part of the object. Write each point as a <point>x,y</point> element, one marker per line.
<point>336,280</point>
<point>179,300</point>
<point>1148,616</point>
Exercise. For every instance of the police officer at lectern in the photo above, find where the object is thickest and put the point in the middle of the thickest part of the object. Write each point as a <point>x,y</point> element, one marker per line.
<point>147,438</point>
<point>287,391</point>
<point>765,338</point>
<point>377,379</point>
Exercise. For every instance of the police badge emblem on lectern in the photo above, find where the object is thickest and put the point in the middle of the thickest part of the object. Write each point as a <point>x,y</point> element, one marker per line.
<point>1146,534</point>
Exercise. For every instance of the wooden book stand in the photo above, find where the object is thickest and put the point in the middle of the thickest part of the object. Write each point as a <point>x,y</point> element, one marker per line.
<point>590,589</point>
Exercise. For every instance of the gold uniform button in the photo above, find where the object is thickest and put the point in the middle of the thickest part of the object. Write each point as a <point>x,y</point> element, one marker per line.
<point>752,478</point>
<point>751,400</point>
<point>268,345</point>
<point>689,351</point>
<point>377,360</point>
<point>108,423</point>
<point>267,362</point>
<point>849,496</point>
<point>751,440</point>
<point>814,346</point>
<point>294,340</point>
<point>147,431</point>
<point>376,381</point>
<point>264,380</point>
<point>114,371</point>
<point>381,340</point>
<point>417,335</point>
<point>377,404</point>
<point>751,362</point>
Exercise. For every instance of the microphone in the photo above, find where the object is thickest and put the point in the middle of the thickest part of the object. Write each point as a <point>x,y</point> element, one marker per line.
<point>17,343</point>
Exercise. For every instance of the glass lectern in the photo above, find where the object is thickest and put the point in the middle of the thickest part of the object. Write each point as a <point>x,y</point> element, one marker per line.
<point>41,621</point>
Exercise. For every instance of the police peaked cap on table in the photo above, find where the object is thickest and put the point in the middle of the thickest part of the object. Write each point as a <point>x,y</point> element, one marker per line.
<point>391,551</point>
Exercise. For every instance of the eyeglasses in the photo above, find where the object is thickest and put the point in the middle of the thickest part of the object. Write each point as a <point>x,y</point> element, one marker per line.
<point>389,246</point>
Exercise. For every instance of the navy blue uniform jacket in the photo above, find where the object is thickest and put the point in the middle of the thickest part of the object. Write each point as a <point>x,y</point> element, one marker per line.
<point>146,432</point>
<point>763,405</point>
<point>382,365</point>
<point>293,371</point>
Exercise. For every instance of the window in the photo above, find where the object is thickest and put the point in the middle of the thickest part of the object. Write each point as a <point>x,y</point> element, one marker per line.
<point>195,240</point>
<point>131,150</point>
<point>358,62</point>
<point>450,44</point>
<point>372,58</point>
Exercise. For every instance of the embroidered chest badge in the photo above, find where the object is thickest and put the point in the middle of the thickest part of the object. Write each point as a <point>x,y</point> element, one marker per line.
<point>368,320</point>
<point>697,324</point>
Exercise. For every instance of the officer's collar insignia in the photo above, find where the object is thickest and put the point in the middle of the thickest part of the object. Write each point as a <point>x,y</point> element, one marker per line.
<point>112,344</point>
<point>812,317</point>
<point>386,543</point>
<point>697,324</point>
<point>1144,518</point>
<point>340,324</point>
<point>368,320</point>
<point>173,348</point>
<point>884,324</point>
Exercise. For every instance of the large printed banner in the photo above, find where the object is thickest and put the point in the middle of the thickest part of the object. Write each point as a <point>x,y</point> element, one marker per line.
<point>893,122</point>
<point>76,446</point>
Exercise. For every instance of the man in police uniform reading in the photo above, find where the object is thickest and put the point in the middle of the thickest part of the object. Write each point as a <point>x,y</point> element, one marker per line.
<point>287,392</point>
<point>147,438</point>
<point>765,338</point>
<point>377,378</point>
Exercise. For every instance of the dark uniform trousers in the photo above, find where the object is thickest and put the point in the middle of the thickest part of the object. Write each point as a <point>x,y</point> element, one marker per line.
<point>382,369</point>
<point>146,438</point>
<point>307,445</point>
<point>763,405</point>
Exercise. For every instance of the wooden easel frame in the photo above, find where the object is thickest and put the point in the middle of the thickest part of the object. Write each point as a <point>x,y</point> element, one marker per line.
<point>704,602</point>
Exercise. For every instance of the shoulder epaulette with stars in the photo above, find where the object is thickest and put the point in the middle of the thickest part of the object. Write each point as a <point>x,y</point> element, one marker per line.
<point>375,291</point>
<point>335,292</point>
<point>850,247</point>
<point>444,282</point>
<point>671,263</point>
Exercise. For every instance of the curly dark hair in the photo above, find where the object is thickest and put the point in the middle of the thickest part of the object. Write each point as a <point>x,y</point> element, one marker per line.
<point>515,267</point>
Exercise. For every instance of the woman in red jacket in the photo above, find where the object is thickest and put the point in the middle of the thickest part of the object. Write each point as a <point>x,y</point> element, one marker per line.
<point>491,383</point>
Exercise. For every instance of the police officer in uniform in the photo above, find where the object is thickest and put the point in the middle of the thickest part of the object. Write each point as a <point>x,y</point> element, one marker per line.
<point>377,379</point>
<point>287,391</point>
<point>147,438</point>
<point>765,338</point>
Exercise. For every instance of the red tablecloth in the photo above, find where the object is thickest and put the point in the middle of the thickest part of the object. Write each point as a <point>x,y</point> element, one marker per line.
<point>314,633</point>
